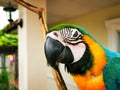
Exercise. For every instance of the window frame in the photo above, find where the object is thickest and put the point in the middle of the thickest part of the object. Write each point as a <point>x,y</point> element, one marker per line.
<point>113,27</point>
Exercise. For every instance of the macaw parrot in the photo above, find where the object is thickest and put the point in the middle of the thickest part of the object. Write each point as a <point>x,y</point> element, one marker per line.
<point>92,66</point>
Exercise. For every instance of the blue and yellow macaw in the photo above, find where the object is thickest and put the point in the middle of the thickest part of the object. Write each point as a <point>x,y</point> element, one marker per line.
<point>92,66</point>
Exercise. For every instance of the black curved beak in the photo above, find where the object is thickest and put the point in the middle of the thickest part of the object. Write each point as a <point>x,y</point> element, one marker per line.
<point>56,52</point>
<point>53,49</point>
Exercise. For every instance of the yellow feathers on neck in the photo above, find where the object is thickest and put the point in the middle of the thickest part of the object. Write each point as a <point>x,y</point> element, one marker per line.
<point>99,59</point>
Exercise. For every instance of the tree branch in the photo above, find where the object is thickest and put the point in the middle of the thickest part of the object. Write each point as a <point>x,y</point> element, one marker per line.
<point>39,11</point>
<point>59,80</point>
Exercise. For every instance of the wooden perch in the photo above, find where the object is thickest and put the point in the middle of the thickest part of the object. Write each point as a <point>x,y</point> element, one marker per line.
<point>59,80</point>
<point>40,11</point>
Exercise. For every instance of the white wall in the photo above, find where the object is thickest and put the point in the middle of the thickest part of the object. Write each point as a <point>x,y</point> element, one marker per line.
<point>32,63</point>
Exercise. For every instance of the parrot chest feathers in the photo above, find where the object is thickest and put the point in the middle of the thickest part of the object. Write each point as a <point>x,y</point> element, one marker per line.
<point>89,82</point>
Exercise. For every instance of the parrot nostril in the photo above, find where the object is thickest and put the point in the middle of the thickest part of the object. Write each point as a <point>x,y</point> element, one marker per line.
<point>55,33</point>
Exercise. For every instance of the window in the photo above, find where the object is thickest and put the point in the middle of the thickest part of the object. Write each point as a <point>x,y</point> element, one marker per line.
<point>113,28</point>
<point>118,45</point>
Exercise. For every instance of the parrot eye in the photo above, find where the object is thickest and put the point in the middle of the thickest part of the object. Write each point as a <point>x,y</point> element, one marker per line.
<point>74,33</point>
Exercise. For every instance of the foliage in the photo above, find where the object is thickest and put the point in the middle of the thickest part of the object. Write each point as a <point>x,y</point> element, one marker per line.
<point>8,39</point>
<point>4,82</point>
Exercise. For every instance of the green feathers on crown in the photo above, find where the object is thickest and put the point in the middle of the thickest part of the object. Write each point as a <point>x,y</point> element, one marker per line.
<point>61,26</point>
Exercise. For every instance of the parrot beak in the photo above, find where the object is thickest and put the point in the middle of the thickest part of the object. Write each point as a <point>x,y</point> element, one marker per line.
<point>56,52</point>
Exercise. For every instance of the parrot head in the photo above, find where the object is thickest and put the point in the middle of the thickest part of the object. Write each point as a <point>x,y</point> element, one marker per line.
<point>69,44</point>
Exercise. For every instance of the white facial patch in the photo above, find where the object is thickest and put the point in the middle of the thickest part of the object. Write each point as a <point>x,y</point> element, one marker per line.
<point>77,51</point>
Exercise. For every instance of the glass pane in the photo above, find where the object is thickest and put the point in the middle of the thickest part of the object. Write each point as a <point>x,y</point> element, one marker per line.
<point>118,46</point>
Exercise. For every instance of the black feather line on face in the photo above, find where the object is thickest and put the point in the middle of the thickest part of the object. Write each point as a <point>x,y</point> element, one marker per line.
<point>84,64</point>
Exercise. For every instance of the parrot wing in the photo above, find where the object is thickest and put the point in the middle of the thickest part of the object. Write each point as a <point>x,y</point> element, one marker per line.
<point>111,71</point>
